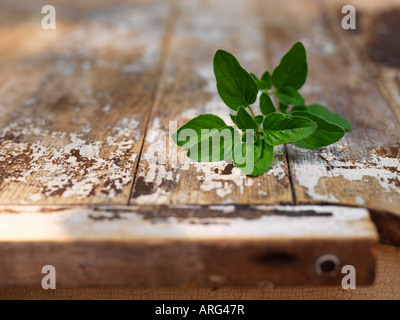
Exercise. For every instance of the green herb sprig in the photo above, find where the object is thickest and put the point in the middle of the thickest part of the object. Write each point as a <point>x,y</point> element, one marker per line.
<point>250,143</point>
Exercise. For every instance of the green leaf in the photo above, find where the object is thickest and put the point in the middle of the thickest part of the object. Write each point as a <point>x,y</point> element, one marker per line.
<point>206,137</point>
<point>264,83</point>
<point>267,78</point>
<point>262,165</point>
<point>266,104</point>
<point>233,118</point>
<point>235,85</point>
<point>283,107</point>
<point>247,150</point>
<point>261,85</point>
<point>245,121</point>
<point>284,128</point>
<point>215,145</point>
<point>330,116</point>
<point>204,121</point>
<point>292,70</point>
<point>290,96</point>
<point>259,119</point>
<point>299,108</point>
<point>326,133</point>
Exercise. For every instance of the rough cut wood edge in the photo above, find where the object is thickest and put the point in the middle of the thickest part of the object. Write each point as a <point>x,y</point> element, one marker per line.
<point>127,246</point>
<point>192,264</point>
<point>386,286</point>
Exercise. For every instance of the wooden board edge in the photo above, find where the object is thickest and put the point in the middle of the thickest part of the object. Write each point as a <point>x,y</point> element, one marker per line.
<point>194,264</point>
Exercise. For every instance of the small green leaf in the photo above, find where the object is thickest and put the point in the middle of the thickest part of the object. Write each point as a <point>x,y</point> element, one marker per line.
<point>292,70</point>
<point>247,151</point>
<point>284,128</point>
<point>290,96</point>
<point>299,108</point>
<point>235,85</point>
<point>262,165</point>
<point>254,77</point>
<point>326,133</point>
<point>245,121</point>
<point>204,121</point>
<point>264,83</point>
<point>268,80</point>
<point>206,137</point>
<point>260,85</point>
<point>259,119</point>
<point>266,104</point>
<point>215,145</point>
<point>283,107</point>
<point>233,118</point>
<point>330,116</point>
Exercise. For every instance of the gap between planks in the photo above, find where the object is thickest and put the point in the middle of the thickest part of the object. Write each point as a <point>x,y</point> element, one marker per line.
<point>162,64</point>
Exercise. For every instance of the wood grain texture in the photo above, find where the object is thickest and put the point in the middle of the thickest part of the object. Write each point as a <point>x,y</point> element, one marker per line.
<point>386,286</point>
<point>86,105</point>
<point>188,88</point>
<point>376,41</point>
<point>185,246</point>
<point>363,168</point>
<point>75,100</point>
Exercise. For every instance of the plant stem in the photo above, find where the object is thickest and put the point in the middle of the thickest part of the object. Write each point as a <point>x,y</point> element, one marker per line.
<point>252,113</point>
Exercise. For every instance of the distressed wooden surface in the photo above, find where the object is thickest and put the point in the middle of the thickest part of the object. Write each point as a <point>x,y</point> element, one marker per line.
<point>363,168</point>
<point>86,113</point>
<point>376,41</point>
<point>185,246</point>
<point>74,101</point>
<point>386,286</point>
<point>188,89</point>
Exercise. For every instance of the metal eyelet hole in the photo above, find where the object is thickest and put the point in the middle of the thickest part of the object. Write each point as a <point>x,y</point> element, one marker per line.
<point>327,265</point>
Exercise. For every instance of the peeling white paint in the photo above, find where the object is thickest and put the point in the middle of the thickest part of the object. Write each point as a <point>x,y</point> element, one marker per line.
<point>106,108</point>
<point>73,224</point>
<point>159,197</point>
<point>74,169</point>
<point>309,169</point>
<point>359,200</point>
<point>35,197</point>
<point>225,209</point>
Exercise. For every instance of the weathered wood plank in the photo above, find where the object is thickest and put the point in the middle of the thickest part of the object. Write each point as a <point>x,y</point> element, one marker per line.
<point>386,286</point>
<point>76,100</point>
<point>363,168</point>
<point>166,176</point>
<point>188,246</point>
<point>377,41</point>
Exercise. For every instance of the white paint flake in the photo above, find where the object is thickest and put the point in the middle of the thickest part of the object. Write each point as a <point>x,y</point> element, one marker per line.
<point>312,169</point>
<point>74,169</point>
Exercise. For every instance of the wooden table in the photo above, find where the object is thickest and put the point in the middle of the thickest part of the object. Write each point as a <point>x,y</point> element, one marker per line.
<point>91,183</point>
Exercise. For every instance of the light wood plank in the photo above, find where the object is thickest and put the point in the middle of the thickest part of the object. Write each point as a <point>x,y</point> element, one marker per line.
<point>376,42</point>
<point>188,89</point>
<point>363,168</point>
<point>76,100</point>
<point>185,246</point>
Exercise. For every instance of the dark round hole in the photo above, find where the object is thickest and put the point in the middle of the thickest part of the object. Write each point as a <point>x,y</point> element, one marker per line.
<point>328,266</point>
